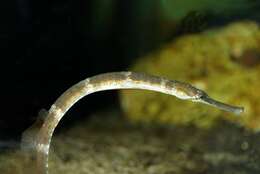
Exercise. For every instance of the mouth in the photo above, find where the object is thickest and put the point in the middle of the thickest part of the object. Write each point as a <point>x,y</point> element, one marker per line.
<point>226,107</point>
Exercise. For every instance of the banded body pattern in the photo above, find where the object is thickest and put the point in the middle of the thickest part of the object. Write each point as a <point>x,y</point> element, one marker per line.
<point>110,81</point>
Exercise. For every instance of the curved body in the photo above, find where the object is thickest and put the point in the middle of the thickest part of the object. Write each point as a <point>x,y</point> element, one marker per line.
<point>110,81</point>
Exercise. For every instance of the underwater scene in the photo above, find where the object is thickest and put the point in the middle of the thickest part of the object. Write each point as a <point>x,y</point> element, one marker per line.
<point>130,87</point>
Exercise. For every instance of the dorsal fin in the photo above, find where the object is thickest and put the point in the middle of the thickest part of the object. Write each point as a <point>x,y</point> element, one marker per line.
<point>28,141</point>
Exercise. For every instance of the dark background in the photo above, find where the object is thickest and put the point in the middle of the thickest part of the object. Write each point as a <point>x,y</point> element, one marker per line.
<point>47,46</point>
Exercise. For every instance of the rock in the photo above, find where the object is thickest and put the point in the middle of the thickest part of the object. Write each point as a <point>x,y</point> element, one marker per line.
<point>222,61</point>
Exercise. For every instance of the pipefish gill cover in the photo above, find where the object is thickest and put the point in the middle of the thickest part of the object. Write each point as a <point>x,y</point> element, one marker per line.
<point>186,74</point>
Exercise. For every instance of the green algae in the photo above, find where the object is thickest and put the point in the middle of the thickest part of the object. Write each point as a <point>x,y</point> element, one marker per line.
<point>178,9</point>
<point>212,61</point>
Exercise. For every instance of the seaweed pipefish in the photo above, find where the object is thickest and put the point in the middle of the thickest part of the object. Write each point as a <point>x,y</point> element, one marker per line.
<point>109,81</point>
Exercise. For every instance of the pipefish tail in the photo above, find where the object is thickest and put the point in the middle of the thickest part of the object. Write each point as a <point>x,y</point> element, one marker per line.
<point>111,81</point>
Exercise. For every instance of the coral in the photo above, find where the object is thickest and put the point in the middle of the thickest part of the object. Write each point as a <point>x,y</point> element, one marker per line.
<point>215,61</point>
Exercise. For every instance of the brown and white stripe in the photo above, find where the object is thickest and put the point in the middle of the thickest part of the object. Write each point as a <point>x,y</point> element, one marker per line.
<point>110,81</point>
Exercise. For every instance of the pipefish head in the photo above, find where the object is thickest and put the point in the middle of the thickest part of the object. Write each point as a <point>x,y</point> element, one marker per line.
<point>188,92</point>
<point>202,97</point>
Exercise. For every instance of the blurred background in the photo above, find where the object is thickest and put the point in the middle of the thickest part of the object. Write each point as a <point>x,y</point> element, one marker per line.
<point>47,46</point>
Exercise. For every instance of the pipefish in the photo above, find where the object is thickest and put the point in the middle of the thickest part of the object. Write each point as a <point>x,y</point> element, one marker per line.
<point>110,81</point>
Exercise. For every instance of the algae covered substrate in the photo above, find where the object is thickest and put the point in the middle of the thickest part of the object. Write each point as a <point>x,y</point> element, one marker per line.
<point>222,61</point>
<point>107,143</point>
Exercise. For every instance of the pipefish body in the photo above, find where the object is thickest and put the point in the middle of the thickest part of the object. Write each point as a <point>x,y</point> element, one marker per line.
<point>110,81</point>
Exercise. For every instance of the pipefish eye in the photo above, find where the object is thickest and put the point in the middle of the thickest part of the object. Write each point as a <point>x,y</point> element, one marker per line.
<point>200,94</point>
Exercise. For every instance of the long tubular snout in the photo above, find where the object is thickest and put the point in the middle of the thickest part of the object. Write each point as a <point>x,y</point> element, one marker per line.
<point>234,109</point>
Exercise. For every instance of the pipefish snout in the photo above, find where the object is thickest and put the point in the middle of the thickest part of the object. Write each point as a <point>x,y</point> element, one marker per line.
<point>226,107</point>
<point>111,81</point>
